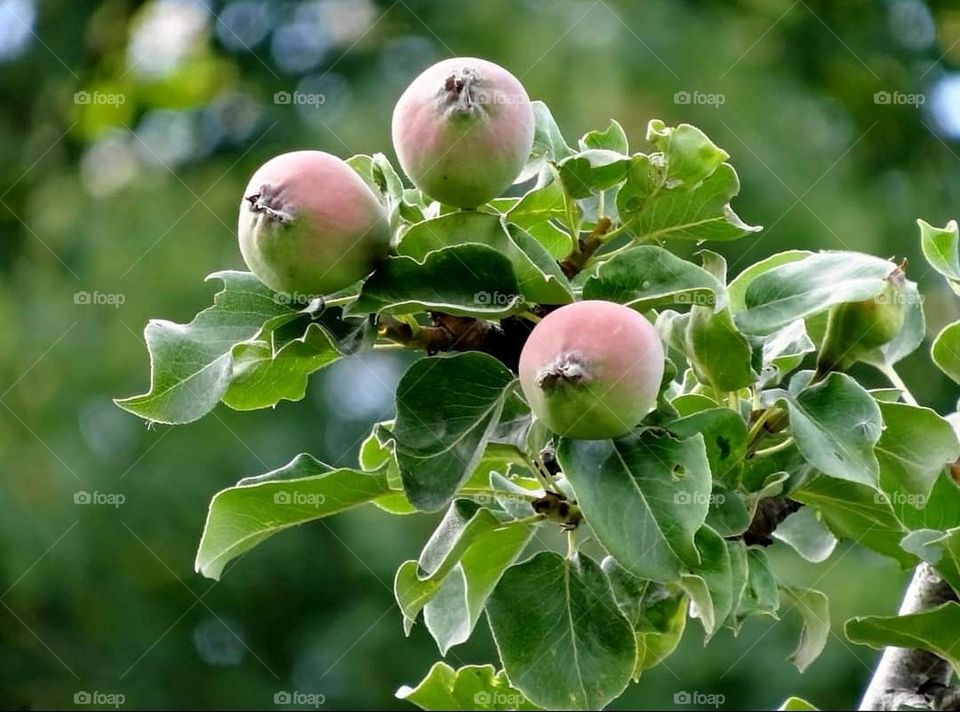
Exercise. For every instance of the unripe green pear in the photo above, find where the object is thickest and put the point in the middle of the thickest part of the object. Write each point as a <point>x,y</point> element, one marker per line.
<point>592,370</point>
<point>854,328</point>
<point>463,131</point>
<point>310,226</point>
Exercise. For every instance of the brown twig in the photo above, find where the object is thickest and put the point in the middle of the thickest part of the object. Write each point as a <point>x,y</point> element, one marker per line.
<point>503,341</point>
<point>586,246</point>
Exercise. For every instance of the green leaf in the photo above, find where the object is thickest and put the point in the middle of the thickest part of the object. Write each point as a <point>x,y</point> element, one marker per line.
<point>649,277</point>
<point>719,354</point>
<point>724,436</point>
<point>453,612</point>
<point>939,549</point>
<point>815,609</point>
<point>836,424</point>
<point>464,280</point>
<point>739,575</point>
<point>760,595</point>
<point>805,533</point>
<point>941,511</point>
<point>946,351</point>
<point>802,288</point>
<point>796,704</point>
<point>562,639</point>
<point>545,202</point>
<point>538,275</point>
<point>644,495</point>
<point>715,578</point>
<point>591,171</point>
<point>936,630</point>
<point>784,350</point>
<point>262,377</point>
<point>612,138</point>
<point>690,156</point>
<point>472,687</point>
<point>458,568</point>
<point>858,513</point>
<point>737,289</point>
<point>548,142</point>
<point>242,516</point>
<point>729,514</point>
<point>697,214</point>
<point>447,409</point>
<point>191,365</point>
<point>658,614</point>
<point>940,247</point>
<point>908,472</point>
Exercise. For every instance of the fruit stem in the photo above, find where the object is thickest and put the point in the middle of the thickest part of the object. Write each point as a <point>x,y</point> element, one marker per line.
<point>755,431</point>
<point>543,476</point>
<point>891,373</point>
<point>773,449</point>
<point>585,247</point>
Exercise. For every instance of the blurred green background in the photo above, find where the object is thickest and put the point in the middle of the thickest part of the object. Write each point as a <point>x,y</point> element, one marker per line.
<point>127,132</point>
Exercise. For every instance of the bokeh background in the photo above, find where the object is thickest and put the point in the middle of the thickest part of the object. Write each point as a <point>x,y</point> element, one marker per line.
<point>127,132</point>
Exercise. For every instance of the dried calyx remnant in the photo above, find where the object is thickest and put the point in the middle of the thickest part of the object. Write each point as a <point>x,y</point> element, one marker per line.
<point>569,369</point>
<point>463,91</point>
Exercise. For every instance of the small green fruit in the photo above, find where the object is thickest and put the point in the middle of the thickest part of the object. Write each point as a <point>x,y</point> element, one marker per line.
<point>309,225</point>
<point>855,328</point>
<point>591,370</point>
<point>463,131</point>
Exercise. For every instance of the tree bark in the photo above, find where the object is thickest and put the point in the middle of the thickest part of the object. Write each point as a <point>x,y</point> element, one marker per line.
<point>914,678</point>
